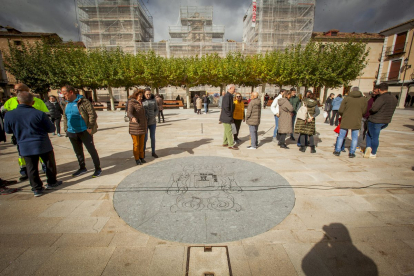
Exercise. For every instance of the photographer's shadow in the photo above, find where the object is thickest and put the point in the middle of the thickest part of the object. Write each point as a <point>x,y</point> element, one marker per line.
<point>336,255</point>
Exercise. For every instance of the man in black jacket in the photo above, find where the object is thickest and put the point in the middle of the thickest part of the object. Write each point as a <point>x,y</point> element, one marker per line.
<point>381,114</point>
<point>226,117</point>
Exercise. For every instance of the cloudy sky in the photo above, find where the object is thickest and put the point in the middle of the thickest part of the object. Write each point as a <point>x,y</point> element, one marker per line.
<point>58,16</point>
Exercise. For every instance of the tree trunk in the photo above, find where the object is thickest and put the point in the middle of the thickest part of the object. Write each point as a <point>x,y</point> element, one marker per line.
<point>94,96</point>
<point>187,94</point>
<point>111,98</point>
<point>152,89</point>
<point>263,93</point>
<point>325,94</point>
<point>221,89</point>
<point>127,91</point>
<point>158,90</point>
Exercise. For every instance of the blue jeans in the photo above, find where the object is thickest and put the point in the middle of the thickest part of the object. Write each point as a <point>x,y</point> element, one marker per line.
<point>341,138</point>
<point>152,135</point>
<point>253,136</point>
<point>205,108</point>
<point>276,126</point>
<point>373,135</point>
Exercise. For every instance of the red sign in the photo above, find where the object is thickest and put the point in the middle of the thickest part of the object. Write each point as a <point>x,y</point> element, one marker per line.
<point>254,13</point>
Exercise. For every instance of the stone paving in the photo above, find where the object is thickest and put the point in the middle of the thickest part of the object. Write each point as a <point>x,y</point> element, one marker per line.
<point>351,216</point>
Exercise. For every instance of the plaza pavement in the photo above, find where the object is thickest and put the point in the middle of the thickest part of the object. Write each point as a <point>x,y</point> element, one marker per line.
<point>351,216</point>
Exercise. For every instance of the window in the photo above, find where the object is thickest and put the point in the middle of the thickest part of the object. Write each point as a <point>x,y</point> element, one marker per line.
<point>17,42</point>
<point>399,46</point>
<point>394,72</point>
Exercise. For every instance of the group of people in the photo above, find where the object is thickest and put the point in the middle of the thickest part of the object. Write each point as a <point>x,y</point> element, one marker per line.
<point>142,111</point>
<point>364,118</point>
<point>200,102</point>
<point>30,121</point>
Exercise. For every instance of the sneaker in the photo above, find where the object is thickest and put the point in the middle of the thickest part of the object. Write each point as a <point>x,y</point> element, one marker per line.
<point>250,147</point>
<point>352,155</point>
<point>143,161</point>
<point>283,146</point>
<point>97,173</point>
<point>138,162</point>
<point>336,153</point>
<point>54,185</point>
<point>299,145</point>
<point>274,140</point>
<point>79,172</point>
<point>368,151</point>
<point>154,155</point>
<point>343,150</point>
<point>38,193</point>
<point>59,135</point>
<point>372,156</point>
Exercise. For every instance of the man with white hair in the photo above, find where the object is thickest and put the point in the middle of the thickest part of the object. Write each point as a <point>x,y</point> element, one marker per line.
<point>31,128</point>
<point>226,117</point>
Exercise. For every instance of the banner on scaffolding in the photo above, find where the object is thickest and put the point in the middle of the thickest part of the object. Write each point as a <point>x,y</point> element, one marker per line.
<point>254,14</point>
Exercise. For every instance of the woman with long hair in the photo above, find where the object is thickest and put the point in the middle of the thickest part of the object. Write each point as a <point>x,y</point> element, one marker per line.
<point>151,111</point>
<point>137,124</point>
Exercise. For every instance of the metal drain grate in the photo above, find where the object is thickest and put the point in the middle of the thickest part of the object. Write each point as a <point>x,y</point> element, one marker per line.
<point>208,261</point>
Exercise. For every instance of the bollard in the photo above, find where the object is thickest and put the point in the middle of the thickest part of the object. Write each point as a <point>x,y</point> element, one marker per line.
<point>201,127</point>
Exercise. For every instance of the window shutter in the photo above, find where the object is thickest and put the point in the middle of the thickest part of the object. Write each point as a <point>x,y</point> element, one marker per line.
<point>400,43</point>
<point>394,70</point>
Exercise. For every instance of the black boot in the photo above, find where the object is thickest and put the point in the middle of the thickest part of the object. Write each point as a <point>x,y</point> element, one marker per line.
<point>143,160</point>
<point>283,146</point>
<point>138,162</point>
<point>313,149</point>
<point>302,148</point>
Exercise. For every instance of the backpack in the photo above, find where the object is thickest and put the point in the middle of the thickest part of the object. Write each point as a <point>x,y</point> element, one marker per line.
<point>302,112</point>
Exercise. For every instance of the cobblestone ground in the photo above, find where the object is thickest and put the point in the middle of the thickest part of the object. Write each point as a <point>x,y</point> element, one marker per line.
<point>350,216</point>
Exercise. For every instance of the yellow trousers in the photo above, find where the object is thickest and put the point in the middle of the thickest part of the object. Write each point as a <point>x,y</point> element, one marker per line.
<point>138,141</point>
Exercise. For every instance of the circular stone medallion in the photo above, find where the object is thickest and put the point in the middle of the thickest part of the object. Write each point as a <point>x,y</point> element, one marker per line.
<point>204,199</point>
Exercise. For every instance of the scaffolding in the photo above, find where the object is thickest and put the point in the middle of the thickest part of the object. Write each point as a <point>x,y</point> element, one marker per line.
<point>196,25</point>
<point>116,23</point>
<point>276,24</point>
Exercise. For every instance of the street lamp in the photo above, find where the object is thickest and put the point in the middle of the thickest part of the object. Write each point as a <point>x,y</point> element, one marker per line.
<point>404,69</point>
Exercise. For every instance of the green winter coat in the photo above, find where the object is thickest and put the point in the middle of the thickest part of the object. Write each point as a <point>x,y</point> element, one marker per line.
<point>295,102</point>
<point>305,127</point>
<point>352,109</point>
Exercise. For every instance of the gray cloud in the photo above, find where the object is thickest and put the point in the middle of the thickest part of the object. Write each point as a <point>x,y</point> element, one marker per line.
<point>58,16</point>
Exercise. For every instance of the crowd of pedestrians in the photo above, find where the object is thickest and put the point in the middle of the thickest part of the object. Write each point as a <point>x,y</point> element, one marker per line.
<point>30,121</point>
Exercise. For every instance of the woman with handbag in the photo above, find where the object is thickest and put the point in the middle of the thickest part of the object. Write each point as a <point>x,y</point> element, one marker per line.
<point>285,118</point>
<point>137,124</point>
<point>238,115</point>
<point>305,126</point>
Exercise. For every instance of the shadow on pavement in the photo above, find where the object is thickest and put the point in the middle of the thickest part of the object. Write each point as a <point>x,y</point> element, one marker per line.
<point>336,255</point>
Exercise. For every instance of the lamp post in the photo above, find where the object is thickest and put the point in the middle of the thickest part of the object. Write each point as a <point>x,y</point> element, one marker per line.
<point>404,69</point>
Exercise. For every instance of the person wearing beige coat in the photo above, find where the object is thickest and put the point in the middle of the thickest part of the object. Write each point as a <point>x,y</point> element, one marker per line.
<point>137,125</point>
<point>285,118</point>
<point>199,103</point>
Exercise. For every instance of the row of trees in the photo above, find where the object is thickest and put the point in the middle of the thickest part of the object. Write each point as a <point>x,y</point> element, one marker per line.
<point>45,66</point>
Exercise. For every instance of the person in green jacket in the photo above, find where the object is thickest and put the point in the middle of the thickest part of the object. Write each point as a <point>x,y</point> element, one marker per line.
<point>295,102</point>
<point>12,104</point>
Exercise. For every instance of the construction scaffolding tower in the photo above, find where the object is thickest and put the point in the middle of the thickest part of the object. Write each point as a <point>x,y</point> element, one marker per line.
<point>114,23</point>
<point>196,26</point>
<point>276,24</point>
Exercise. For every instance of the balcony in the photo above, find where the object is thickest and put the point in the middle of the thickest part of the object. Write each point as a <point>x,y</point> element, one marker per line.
<point>397,49</point>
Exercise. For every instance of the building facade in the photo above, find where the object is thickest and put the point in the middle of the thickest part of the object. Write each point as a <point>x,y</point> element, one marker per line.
<point>397,59</point>
<point>366,80</point>
<point>15,37</point>
<point>114,23</point>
